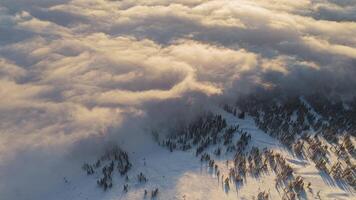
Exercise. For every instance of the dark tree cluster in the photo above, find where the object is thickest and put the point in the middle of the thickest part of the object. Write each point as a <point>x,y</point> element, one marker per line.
<point>202,145</point>
<point>141,178</point>
<point>286,117</point>
<point>212,130</point>
<point>298,148</point>
<point>281,120</point>
<point>318,152</point>
<point>347,174</point>
<point>111,158</point>
<point>123,164</point>
<point>201,133</point>
<point>294,189</point>
<point>154,193</point>
<point>230,109</point>
<point>211,163</point>
<point>292,120</point>
<point>239,170</point>
<point>348,145</point>
<point>229,133</point>
<point>242,142</point>
<point>240,158</point>
<point>263,195</point>
<point>209,125</point>
<point>341,116</point>
<point>126,188</point>
<point>234,111</point>
<point>88,168</point>
<point>240,165</point>
<point>282,169</point>
<point>106,181</point>
<point>345,152</point>
<point>256,162</point>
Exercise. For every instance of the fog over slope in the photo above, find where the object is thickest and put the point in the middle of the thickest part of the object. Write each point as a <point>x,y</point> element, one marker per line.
<point>77,74</point>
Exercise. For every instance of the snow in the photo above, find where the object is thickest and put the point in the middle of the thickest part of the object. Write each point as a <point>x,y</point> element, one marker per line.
<point>181,175</point>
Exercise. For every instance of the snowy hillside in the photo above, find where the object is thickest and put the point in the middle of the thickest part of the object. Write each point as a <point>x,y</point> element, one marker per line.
<point>187,175</point>
<point>177,99</point>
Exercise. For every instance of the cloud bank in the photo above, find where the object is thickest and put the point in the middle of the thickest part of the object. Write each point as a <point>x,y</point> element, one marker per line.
<point>77,73</point>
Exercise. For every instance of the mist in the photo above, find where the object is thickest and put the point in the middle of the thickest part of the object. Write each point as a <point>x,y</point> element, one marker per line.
<point>78,75</point>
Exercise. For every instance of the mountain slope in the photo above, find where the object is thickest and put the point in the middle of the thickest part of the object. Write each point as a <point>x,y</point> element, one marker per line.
<point>181,174</point>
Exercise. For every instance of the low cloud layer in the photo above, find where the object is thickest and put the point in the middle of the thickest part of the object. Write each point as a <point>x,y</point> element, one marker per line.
<point>76,73</point>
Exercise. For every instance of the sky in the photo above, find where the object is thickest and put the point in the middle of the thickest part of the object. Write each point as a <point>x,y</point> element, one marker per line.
<point>78,74</point>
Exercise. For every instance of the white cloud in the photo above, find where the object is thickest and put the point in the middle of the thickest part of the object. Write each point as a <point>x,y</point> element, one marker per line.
<point>71,72</point>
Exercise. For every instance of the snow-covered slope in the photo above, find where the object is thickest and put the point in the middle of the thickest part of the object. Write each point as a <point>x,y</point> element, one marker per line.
<point>181,175</point>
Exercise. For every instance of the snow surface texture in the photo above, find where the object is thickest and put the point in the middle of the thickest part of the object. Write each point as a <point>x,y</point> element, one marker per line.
<point>76,75</point>
<point>181,175</point>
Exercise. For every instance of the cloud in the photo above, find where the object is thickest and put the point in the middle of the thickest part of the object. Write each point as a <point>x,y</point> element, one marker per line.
<point>75,75</point>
